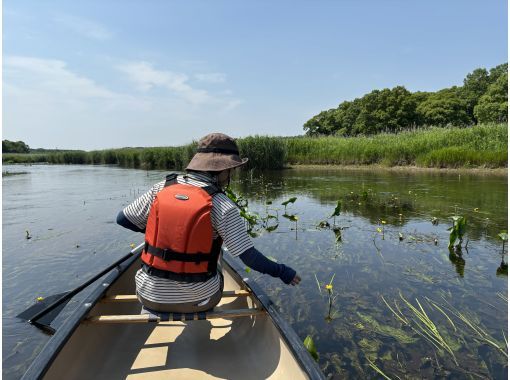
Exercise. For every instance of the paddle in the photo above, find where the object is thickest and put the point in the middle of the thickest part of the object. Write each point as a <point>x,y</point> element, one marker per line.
<point>44,312</point>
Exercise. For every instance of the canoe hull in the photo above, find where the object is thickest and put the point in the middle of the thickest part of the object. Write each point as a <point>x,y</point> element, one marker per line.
<point>253,347</point>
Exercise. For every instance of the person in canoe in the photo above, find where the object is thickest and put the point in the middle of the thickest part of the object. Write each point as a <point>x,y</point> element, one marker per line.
<point>186,220</point>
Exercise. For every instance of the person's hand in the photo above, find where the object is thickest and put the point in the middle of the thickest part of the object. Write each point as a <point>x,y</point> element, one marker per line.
<point>296,280</point>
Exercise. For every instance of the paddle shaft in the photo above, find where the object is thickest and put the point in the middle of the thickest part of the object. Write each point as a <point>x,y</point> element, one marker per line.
<point>75,291</point>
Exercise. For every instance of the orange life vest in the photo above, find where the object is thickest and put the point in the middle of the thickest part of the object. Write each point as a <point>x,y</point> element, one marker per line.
<point>179,242</point>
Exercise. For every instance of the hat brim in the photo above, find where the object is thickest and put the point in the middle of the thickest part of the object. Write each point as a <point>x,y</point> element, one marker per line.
<point>215,162</point>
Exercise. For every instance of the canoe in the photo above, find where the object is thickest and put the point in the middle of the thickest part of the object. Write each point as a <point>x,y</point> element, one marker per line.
<point>106,337</point>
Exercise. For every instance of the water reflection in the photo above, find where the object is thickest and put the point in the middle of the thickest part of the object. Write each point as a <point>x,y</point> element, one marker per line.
<point>69,212</point>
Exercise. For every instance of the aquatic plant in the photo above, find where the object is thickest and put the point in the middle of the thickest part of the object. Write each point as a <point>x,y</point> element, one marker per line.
<point>481,334</point>
<point>336,212</point>
<point>293,218</point>
<point>421,324</point>
<point>331,297</point>
<point>503,235</point>
<point>290,200</point>
<point>376,368</point>
<point>310,347</point>
<point>457,232</point>
<point>242,203</point>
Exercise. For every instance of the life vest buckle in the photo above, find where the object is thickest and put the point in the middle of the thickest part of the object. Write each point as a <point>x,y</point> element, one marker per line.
<point>167,254</point>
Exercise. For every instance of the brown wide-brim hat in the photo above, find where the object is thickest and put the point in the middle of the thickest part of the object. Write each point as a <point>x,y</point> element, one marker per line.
<point>216,152</point>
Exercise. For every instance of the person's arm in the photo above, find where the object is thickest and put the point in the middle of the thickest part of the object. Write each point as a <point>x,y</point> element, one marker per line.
<point>257,261</point>
<point>135,215</point>
<point>126,223</point>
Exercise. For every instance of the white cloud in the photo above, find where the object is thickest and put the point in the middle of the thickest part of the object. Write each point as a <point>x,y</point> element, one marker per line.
<point>211,77</point>
<point>87,28</point>
<point>48,104</point>
<point>146,77</point>
<point>52,76</point>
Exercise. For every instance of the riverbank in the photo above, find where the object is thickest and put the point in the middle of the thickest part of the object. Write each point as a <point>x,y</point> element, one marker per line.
<point>482,146</point>
<point>406,169</point>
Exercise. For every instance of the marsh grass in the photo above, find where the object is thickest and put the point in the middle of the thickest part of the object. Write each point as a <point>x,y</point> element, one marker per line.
<point>484,145</point>
<point>478,146</point>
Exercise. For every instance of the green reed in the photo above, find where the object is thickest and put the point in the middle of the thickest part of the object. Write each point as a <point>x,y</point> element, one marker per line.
<point>484,145</point>
<point>478,146</point>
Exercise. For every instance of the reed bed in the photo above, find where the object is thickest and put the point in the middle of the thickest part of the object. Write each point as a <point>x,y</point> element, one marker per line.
<point>478,146</point>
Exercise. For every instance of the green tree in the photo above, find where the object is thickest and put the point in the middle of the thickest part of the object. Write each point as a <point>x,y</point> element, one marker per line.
<point>14,147</point>
<point>445,107</point>
<point>387,110</point>
<point>493,105</point>
<point>322,124</point>
<point>475,85</point>
<point>346,115</point>
<point>497,71</point>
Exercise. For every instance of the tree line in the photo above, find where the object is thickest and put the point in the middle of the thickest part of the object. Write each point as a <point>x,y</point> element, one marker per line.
<point>483,98</point>
<point>14,147</point>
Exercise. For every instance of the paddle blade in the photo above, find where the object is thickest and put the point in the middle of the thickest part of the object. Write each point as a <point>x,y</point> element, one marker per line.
<point>39,306</point>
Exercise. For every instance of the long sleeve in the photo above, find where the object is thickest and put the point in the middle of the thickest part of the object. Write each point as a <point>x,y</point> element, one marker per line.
<point>126,223</point>
<point>257,261</point>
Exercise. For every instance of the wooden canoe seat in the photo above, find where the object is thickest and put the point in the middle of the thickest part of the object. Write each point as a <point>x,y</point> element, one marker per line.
<point>165,317</point>
<point>133,298</point>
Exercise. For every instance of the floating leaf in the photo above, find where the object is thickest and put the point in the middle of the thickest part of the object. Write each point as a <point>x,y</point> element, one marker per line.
<point>291,200</point>
<point>271,228</point>
<point>503,235</point>
<point>247,269</point>
<point>310,347</point>
<point>292,218</point>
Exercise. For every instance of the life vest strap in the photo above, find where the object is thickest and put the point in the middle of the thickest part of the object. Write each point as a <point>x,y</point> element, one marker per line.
<point>169,255</point>
<point>170,179</point>
<point>182,277</point>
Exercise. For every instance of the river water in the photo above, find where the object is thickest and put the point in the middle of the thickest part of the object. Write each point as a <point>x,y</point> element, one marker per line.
<point>387,250</point>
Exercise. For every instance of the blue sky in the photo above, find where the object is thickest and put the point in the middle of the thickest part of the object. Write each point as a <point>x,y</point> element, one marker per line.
<point>101,74</point>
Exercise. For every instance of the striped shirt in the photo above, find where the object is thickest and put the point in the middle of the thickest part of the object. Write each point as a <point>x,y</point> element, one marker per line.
<point>226,222</point>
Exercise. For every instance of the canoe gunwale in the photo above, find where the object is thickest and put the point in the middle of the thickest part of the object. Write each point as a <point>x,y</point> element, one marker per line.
<point>289,335</point>
<point>50,351</point>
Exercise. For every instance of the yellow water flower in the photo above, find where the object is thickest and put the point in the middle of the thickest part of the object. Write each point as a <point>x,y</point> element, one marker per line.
<point>39,299</point>
<point>475,209</point>
<point>383,222</point>
<point>379,229</point>
<point>329,287</point>
<point>132,245</point>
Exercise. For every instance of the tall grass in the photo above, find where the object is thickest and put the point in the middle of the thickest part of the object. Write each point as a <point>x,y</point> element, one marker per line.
<point>436,147</point>
<point>479,146</point>
<point>263,152</point>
